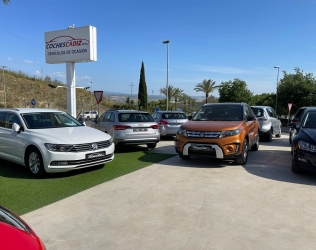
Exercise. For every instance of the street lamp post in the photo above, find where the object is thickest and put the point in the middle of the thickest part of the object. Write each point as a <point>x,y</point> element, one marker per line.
<point>167,42</point>
<point>276,93</point>
<point>91,96</point>
<point>4,91</point>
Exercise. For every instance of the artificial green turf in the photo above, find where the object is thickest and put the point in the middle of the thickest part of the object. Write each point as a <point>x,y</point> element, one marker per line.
<point>22,193</point>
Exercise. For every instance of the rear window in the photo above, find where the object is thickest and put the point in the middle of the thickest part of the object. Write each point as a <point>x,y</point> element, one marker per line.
<point>257,111</point>
<point>174,116</point>
<point>135,117</point>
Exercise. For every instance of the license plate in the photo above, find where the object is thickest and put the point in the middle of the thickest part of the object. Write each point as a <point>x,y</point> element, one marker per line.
<point>201,148</point>
<point>139,129</point>
<point>95,155</point>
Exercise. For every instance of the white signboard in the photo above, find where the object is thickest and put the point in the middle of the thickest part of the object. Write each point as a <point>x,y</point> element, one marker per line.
<point>71,45</point>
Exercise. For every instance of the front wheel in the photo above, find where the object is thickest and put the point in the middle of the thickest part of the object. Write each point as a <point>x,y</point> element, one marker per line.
<point>255,147</point>
<point>269,135</point>
<point>295,169</point>
<point>242,159</point>
<point>184,157</point>
<point>35,163</point>
<point>279,134</point>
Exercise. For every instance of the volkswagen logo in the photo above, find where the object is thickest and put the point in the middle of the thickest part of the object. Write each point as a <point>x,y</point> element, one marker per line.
<point>94,146</point>
<point>201,134</point>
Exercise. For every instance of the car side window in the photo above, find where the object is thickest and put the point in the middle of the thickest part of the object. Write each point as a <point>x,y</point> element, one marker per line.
<point>2,119</point>
<point>112,117</point>
<point>12,118</point>
<point>270,112</point>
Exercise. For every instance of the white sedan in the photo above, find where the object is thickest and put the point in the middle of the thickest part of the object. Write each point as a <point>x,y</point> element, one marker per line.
<point>48,141</point>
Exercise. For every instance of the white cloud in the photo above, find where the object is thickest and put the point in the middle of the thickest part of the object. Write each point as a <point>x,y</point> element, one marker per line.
<point>83,78</point>
<point>59,74</point>
<point>9,59</point>
<point>38,73</point>
<point>28,61</point>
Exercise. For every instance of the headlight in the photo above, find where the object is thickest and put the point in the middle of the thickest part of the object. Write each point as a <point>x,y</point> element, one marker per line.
<point>58,147</point>
<point>111,140</point>
<point>229,133</point>
<point>306,146</point>
<point>182,131</point>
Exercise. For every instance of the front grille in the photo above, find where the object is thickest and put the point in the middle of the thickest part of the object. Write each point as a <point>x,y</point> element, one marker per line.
<point>87,161</point>
<point>203,134</point>
<point>88,146</point>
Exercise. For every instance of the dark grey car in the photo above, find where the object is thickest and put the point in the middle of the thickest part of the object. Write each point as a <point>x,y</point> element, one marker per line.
<point>169,121</point>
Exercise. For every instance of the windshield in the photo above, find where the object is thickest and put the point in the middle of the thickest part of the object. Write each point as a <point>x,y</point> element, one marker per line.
<point>219,113</point>
<point>174,116</point>
<point>49,120</point>
<point>135,117</point>
<point>309,120</point>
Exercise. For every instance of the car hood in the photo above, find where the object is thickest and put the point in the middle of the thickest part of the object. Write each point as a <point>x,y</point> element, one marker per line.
<point>211,125</point>
<point>71,135</point>
<point>308,135</point>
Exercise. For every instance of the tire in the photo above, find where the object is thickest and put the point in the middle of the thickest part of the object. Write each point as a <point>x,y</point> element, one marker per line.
<point>88,118</point>
<point>269,135</point>
<point>184,157</point>
<point>255,147</point>
<point>242,159</point>
<point>151,145</point>
<point>295,169</point>
<point>279,134</point>
<point>34,162</point>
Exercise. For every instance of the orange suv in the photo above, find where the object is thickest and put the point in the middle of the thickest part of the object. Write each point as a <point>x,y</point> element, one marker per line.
<point>219,130</point>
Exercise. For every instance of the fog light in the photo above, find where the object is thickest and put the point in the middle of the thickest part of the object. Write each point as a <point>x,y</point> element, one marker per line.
<point>230,148</point>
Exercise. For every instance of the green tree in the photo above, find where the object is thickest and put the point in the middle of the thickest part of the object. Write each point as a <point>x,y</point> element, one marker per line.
<point>207,86</point>
<point>6,1</point>
<point>142,90</point>
<point>264,99</point>
<point>298,89</point>
<point>235,91</point>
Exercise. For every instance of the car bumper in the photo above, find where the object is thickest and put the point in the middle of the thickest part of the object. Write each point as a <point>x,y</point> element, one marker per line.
<point>305,160</point>
<point>67,161</point>
<point>229,150</point>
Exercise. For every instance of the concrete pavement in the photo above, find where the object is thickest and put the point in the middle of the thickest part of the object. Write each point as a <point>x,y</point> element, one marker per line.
<point>195,204</point>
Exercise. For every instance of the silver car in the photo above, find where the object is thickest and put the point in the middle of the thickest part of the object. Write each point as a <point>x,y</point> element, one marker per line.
<point>129,127</point>
<point>169,121</point>
<point>270,123</point>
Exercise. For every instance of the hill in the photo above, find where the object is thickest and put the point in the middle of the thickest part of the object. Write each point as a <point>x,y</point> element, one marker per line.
<point>21,89</point>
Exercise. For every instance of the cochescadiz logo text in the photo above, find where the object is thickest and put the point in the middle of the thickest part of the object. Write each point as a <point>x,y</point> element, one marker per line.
<point>66,41</point>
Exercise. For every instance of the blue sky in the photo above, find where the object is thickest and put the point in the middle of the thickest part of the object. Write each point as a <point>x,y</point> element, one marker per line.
<point>218,40</point>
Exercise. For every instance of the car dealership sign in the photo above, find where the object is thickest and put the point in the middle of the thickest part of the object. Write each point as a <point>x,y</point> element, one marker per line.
<point>71,45</point>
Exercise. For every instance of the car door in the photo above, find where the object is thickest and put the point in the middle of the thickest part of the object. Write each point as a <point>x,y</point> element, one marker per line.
<point>12,140</point>
<point>3,138</point>
<point>274,121</point>
<point>107,122</point>
<point>252,128</point>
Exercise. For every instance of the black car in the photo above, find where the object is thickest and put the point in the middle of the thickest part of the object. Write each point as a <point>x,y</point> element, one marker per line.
<point>304,142</point>
<point>295,119</point>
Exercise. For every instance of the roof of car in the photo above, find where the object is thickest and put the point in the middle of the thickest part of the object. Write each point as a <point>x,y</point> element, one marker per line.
<point>224,103</point>
<point>168,111</point>
<point>30,110</point>
<point>260,106</point>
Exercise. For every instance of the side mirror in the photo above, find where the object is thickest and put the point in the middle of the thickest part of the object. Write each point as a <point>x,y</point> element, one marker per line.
<point>292,125</point>
<point>16,128</point>
<point>251,117</point>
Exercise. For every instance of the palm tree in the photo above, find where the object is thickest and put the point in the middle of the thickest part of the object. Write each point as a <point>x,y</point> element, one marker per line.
<point>207,86</point>
<point>185,99</point>
<point>170,92</point>
<point>177,93</point>
<point>6,1</point>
